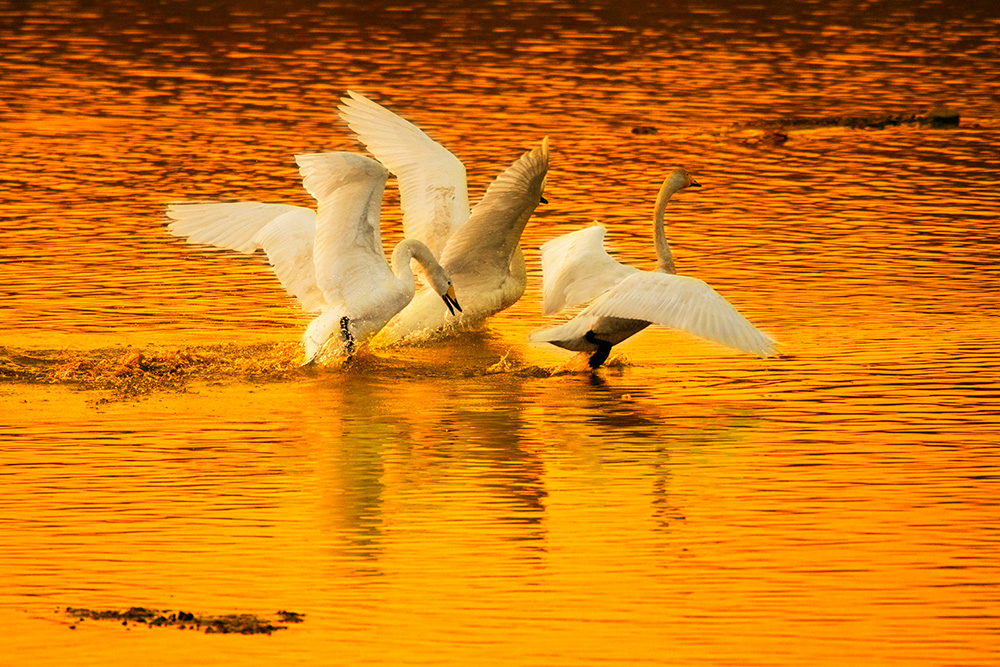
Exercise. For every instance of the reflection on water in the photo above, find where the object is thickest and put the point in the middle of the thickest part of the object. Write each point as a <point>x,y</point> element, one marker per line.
<point>470,500</point>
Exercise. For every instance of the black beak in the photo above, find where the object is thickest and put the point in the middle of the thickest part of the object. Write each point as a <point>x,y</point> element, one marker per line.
<point>695,184</point>
<point>543,200</point>
<point>452,303</point>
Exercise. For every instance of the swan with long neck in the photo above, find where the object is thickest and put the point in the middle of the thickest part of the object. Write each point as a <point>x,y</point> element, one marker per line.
<point>351,326</point>
<point>676,181</point>
<point>624,300</point>
<point>331,260</point>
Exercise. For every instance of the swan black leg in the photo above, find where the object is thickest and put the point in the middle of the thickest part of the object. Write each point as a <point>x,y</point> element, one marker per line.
<point>345,333</point>
<point>603,349</point>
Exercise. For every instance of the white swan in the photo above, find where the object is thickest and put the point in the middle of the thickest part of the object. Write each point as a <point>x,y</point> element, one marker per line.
<point>577,269</point>
<point>480,250</point>
<point>331,260</point>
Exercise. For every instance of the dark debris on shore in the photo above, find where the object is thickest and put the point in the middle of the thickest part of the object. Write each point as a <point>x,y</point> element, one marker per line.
<point>937,117</point>
<point>775,131</point>
<point>243,624</point>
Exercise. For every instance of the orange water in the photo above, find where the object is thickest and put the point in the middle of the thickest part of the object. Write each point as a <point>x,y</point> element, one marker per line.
<point>461,503</point>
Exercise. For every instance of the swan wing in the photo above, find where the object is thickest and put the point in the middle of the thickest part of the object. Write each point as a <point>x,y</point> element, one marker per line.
<point>569,335</point>
<point>482,249</point>
<point>284,232</point>
<point>576,268</point>
<point>432,185</point>
<point>223,224</point>
<point>684,303</point>
<point>288,242</point>
<point>350,265</point>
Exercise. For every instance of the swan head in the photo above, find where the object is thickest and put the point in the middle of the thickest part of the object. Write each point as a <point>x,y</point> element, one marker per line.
<point>678,179</point>
<point>441,283</point>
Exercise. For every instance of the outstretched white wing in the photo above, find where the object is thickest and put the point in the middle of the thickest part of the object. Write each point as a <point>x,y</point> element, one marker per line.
<point>576,268</point>
<point>482,249</point>
<point>684,303</point>
<point>569,335</point>
<point>432,186</point>
<point>350,263</point>
<point>225,225</point>
<point>284,232</point>
<point>288,242</point>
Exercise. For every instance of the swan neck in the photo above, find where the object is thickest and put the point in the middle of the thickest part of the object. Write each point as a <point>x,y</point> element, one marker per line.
<point>666,257</point>
<point>406,250</point>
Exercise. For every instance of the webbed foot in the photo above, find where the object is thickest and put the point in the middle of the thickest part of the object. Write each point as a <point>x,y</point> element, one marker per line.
<point>345,334</point>
<point>603,349</point>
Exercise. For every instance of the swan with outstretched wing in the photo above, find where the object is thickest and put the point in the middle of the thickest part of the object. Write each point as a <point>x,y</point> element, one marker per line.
<point>480,248</point>
<point>576,269</point>
<point>330,260</point>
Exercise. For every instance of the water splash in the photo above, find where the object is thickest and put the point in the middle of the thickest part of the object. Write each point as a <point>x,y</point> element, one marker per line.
<point>132,372</point>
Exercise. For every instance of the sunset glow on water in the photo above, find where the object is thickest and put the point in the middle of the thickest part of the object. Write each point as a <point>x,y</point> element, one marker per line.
<point>470,501</point>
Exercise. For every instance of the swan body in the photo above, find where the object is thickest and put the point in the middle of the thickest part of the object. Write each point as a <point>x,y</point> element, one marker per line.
<point>479,249</point>
<point>624,300</point>
<point>330,260</point>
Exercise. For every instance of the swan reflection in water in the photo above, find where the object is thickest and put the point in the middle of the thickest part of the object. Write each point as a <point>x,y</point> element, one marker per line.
<point>397,444</point>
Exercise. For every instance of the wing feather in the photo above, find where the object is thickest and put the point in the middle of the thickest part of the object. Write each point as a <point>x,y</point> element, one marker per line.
<point>684,303</point>
<point>348,258</point>
<point>569,335</point>
<point>223,224</point>
<point>576,268</point>
<point>288,242</point>
<point>485,245</point>
<point>284,232</point>
<point>432,183</point>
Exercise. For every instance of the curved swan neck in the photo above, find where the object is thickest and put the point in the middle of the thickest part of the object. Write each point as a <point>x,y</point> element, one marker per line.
<point>666,263</point>
<point>406,250</point>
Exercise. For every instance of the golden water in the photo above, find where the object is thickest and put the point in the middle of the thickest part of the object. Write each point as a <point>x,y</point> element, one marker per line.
<point>466,502</point>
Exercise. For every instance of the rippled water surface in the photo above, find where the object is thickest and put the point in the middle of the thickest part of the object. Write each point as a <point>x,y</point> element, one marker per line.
<point>469,502</point>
